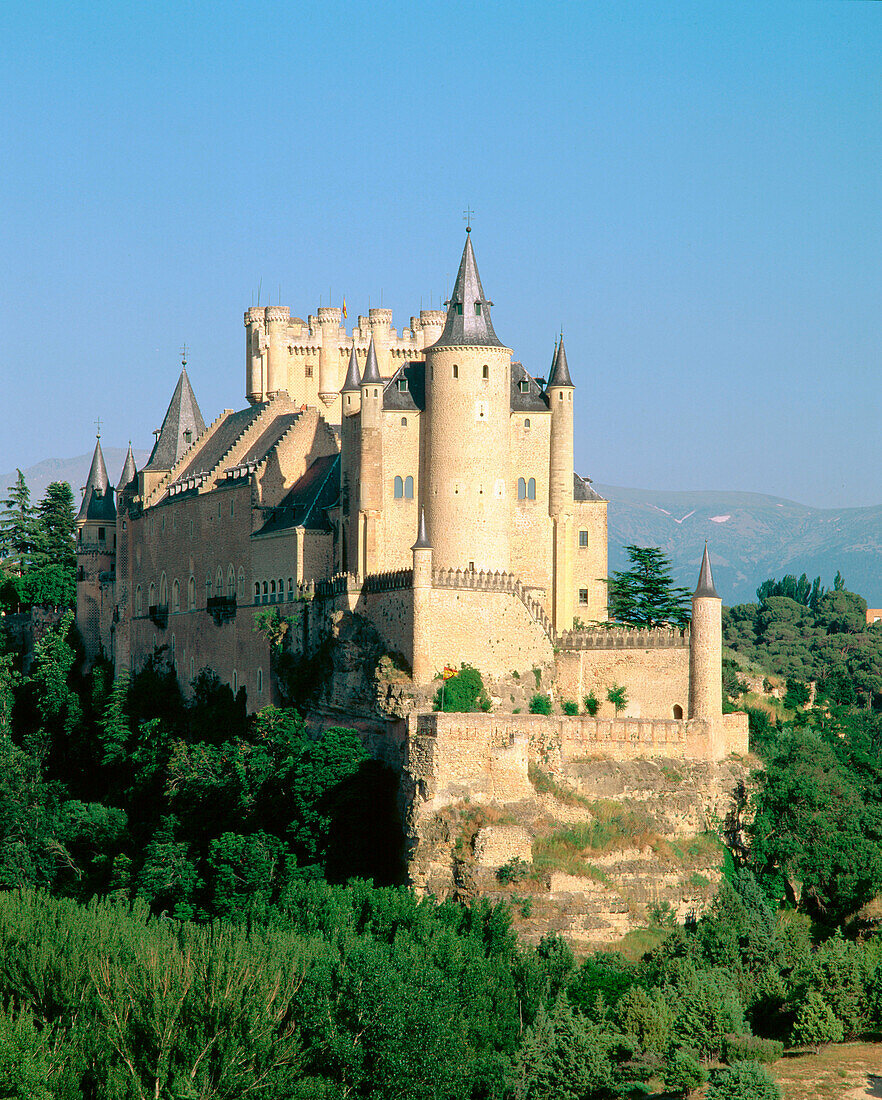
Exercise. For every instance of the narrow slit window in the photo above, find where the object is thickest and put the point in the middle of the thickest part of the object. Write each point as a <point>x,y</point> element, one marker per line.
<point>522,489</point>
<point>455,371</point>
<point>398,488</point>
<point>486,372</point>
<point>408,488</point>
<point>531,489</point>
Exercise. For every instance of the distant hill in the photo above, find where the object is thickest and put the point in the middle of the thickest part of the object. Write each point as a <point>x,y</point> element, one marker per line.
<point>751,537</point>
<point>73,470</point>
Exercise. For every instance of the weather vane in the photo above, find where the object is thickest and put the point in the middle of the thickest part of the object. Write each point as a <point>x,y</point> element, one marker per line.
<point>467,218</point>
<point>98,426</point>
<point>183,355</point>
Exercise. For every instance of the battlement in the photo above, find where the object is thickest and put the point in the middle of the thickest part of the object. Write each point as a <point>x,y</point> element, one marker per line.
<point>625,637</point>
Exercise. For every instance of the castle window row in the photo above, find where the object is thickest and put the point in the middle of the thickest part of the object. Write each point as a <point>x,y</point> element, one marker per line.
<point>273,591</point>
<point>526,488</point>
<point>232,586</point>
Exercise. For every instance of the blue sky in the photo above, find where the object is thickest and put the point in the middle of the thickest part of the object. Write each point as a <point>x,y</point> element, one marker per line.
<point>691,190</point>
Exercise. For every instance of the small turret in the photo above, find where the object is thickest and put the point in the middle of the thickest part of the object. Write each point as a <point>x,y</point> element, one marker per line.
<point>559,394</point>
<point>559,375</point>
<point>97,506</point>
<point>371,466</point>
<point>706,647</point>
<point>181,427</point>
<point>352,385</point>
<point>96,559</point>
<point>421,661</point>
<point>371,376</point>
<point>129,471</point>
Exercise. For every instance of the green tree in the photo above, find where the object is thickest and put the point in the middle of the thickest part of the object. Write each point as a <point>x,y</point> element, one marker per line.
<point>24,1064</point>
<point>562,1057</point>
<point>743,1081</point>
<point>645,594</point>
<point>55,527</point>
<point>815,1023</point>
<point>463,692</point>
<point>18,527</point>
<point>618,697</point>
<point>683,1071</point>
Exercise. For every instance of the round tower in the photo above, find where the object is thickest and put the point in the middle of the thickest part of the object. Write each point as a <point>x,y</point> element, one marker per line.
<point>559,393</point>
<point>431,326</point>
<point>421,661</point>
<point>706,647</point>
<point>255,345</point>
<point>370,466</point>
<point>96,560</point>
<point>381,324</point>
<point>350,463</point>
<point>277,321</point>
<point>329,354</point>
<point>468,405</point>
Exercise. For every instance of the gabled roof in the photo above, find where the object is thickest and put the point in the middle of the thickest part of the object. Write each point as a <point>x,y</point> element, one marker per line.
<point>468,321</point>
<point>705,585</point>
<point>307,501</point>
<point>183,416</point>
<point>220,441</point>
<point>128,471</point>
<point>353,378</point>
<point>533,400</point>
<point>411,399</point>
<point>371,374</point>
<point>582,489</point>
<point>97,496</point>
<point>560,371</point>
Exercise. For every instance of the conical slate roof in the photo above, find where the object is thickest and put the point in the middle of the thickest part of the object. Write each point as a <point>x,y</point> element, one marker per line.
<point>468,321</point>
<point>97,496</point>
<point>706,578</point>
<point>371,374</point>
<point>560,371</point>
<point>128,472</point>
<point>353,381</point>
<point>422,542</point>
<point>183,416</point>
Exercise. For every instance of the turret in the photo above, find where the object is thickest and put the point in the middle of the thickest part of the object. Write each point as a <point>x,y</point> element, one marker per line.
<point>255,354</point>
<point>96,559</point>
<point>350,464</point>
<point>431,325</point>
<point>421,663</point>
<point>706,647</point>
<point>277,320</point>
<point>381,324</point>
<point>559,394</point>
<point>126,488</point>
<point>468,405</point>
<point>181,427</point>
<point>129,471</point>
<point>370,465</point>
<point>329,354</point>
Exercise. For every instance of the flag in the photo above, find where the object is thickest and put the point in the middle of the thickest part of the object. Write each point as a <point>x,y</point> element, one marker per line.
<point>448,672</point>
<point>344,309</point>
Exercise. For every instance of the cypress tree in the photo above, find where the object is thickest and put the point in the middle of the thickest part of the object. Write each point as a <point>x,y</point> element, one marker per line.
<point>18,528</point>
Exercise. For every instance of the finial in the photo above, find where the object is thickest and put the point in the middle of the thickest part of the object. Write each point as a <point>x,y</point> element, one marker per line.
<point>467,218</point>
<point>184,355</point>
<point>98,426</point>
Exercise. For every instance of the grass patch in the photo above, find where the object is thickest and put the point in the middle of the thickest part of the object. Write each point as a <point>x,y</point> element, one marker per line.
<point>698,851</point>
<point>543,783</point>
<point>636,943</point>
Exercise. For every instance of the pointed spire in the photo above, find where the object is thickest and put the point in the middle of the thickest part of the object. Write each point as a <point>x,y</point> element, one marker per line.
<point>183,424</point>
<point>422,542</point>
<point>560,371</point>
<point>706,578</point>
<point>353,378</point>
<point>129,470</point>
<point>371,376</point>
<point>97,496</point>
<point>468,321</point>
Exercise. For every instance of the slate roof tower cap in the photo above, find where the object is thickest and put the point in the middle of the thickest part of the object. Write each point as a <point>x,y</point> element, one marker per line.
<point>129,470</point>
<point>468,321</point>
<point>422,542</point>
<point>371,376</point>
<point>560,371</point>
<point>706,578</point>
<point>97,495</point>
<point>353,379</point>
<point>182,418</point>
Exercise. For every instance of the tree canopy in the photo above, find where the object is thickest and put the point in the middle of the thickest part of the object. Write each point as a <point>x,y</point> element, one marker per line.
<point>645,594</point>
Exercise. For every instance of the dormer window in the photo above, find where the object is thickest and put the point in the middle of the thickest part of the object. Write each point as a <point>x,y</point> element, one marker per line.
<point>459,309</point>
<point>524,385</point>
<point>402,385</point>
<point>477,309</point>
<point>188,436</point>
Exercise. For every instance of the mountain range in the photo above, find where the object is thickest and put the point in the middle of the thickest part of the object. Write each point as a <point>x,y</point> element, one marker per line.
<point>751,536</point>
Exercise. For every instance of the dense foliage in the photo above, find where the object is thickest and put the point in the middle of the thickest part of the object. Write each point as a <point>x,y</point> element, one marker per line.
<point>37,549</point>
<point>645,593</point>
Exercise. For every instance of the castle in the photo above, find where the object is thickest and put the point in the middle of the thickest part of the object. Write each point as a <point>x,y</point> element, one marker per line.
<point>423,480</point>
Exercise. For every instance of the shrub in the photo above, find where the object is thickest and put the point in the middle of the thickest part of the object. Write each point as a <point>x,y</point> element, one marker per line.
<point>815,1023</point>
<point>751,1048</point>
<point>463,692</point>
<point>683,1072</point>
<point>515,870</point>
<point>618,697</point>
<point>592,703</point>
<point>540,704</point>
<point>743,1081</point>
<point>570,707</point>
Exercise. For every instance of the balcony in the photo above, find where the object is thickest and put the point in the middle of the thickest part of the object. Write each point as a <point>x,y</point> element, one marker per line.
<point>221,608</point>
<point>158,614</point>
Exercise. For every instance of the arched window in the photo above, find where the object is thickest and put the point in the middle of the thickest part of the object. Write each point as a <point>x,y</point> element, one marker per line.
<point>176,595</point>
<point>527,423</point>
<point>207,588</point>
<point>231,583</point>
<point>152,602</point>
<point>399,488</point>
<point>531,489</point>
<point>272,591</point>
<point>281,590</point>
<point>241,583</point>
<point>678,711</point>
<point>163,590</point>
<point>235,681</point>
<point>486,372</point>
<point>138,608</point>
<point>260,681</point>
<point>408,488</point>
<point>191,593</point>
<point>404,422</point>
<point>265,591</point>
<point>455,371</point>
<point>290,588</point>
<point>522,489</point>
<point>257,591</point>
<point>219,582</point>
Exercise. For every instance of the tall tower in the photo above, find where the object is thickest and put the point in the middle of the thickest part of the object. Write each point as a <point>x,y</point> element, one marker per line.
<point>468,405</point>
<point>126,488</point>
<point>559,391</point>
<point>421,662</point>
<point>350,463</point>
<point>370,466</point>
<point>329,354</point>
<point>96,559</point>
<point>706,647</point>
